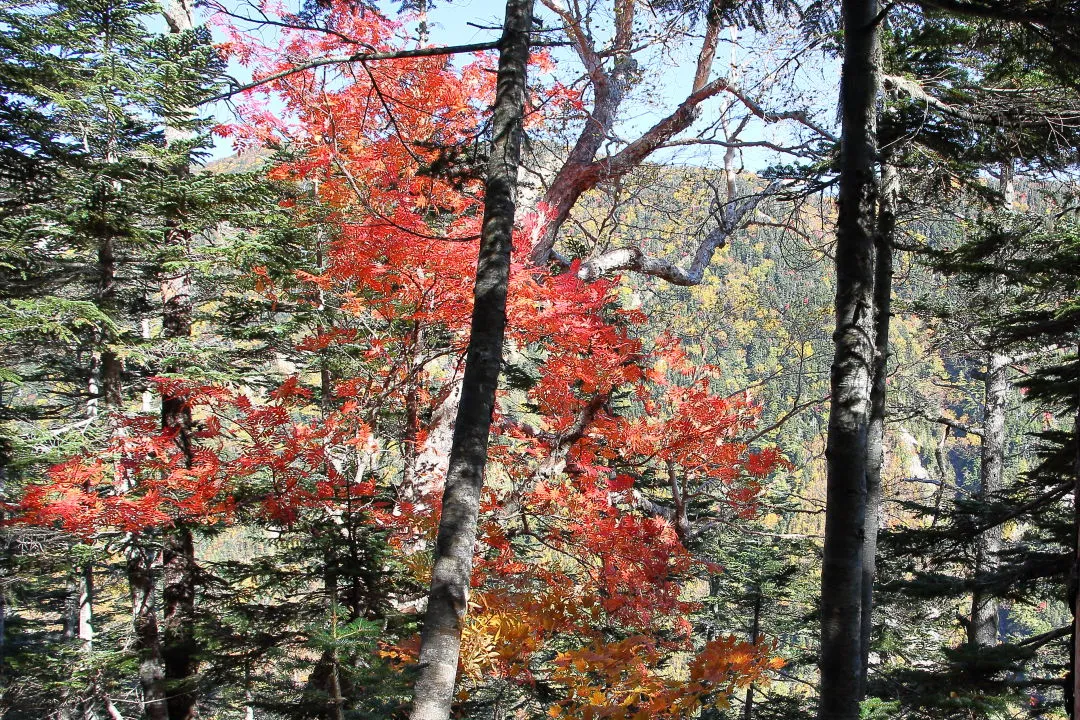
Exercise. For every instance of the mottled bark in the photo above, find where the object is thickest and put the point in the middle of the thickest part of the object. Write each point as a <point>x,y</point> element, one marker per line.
<point>982,629</point>
<point>875,449</point>
<point>147,639</point>
<point>440,642</point>
<point>85,609</point>
<point>179,649</point>
<point>79,702</point>
<point>852,368</point>
<point>179,645</point>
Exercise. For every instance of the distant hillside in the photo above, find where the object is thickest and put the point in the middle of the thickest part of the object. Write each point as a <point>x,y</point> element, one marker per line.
<point>242,162</point>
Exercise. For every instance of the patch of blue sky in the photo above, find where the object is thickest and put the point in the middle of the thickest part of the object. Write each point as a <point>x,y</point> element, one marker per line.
<point>782,70</point>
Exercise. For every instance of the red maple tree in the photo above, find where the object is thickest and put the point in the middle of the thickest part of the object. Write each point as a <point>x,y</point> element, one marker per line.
<point>570,546</point>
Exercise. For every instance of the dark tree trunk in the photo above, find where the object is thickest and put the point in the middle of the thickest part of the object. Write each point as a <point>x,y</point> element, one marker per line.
<point>178,638</point>
<point>440,642</point>
<point>852,368</point>
<point>180,647</point>
<point>140,564</point>
<point>875,450</point>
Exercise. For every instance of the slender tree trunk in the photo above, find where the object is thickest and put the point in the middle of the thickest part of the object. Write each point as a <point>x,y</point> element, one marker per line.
<point>440,642</point>
<point>85,625</point>
<point>140,563</point>
<point>86,632</point>
<point>852,368</point>
<point>875,451</point>
<point>411,435</point>
<point>110,365</point>
<point>104,386</point>
<point>755,631</point>
<point>982,629</point>
<point>3,599</point>
<point>1073,688</point>
<point>78,702</point>
<point>5,550</point>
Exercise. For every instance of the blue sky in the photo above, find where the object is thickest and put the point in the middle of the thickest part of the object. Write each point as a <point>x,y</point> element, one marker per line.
<point>664,85</point>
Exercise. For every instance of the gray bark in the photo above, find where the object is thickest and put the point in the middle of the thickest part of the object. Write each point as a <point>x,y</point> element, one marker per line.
<point>982,630</point>
<point>440,642</point>
<point>852,368</point>
<point>85,627</point>
<point>179,649</point>
<point>147,640</point>
<point>875,450</point>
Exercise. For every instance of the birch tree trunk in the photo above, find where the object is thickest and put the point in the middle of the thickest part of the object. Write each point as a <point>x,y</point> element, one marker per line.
<point>852,368</point>
<point>440,642</point>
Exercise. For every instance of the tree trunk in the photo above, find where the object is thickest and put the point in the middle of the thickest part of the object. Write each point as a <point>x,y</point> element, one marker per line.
<point>110,364</point>
<point>104,386</point>
<point>178,592</point>
<point>852,368</point>
<point>411,435</point>
<point>1074,661</point>
<point>178,637</point>
<point>982,630</point>
<point>875,450</point>
<point>140,564</point>
<point>755,630</point>
<point>440,643</point>
<point>85,626</point>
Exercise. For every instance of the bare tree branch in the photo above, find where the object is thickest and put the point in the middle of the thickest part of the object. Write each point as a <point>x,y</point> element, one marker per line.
<point>635,259</point>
